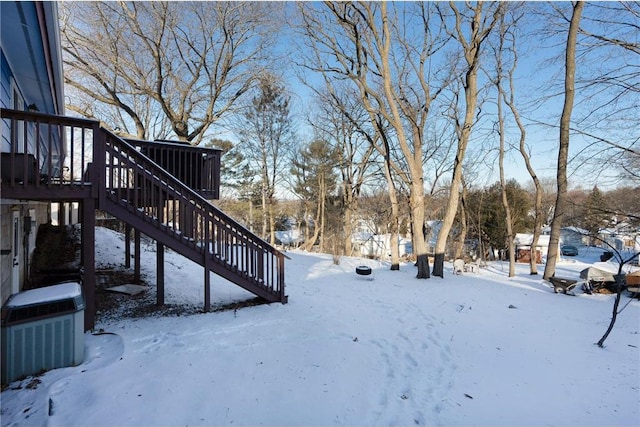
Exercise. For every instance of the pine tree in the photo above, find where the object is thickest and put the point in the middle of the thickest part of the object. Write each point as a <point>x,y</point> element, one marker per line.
<point>314,172</point>
<point>595,212</point>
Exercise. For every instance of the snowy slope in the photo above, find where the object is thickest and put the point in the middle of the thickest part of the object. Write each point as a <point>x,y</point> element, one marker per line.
<point>472,349</point>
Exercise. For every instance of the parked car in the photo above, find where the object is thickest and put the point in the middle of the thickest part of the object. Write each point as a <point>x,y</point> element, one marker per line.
<point>569,250</point>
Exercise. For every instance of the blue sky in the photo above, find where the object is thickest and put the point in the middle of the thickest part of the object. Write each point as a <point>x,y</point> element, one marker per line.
<point>540,77</point>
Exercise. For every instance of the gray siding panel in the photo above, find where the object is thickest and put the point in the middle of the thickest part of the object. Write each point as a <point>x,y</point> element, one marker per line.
<point>5,98</point>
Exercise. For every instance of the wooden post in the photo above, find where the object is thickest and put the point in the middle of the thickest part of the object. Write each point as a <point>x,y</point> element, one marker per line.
<point>280,279</point>
<point>136,257</point>
<point>160,256</point>
<point>207,286</point>
<point>160,274</point>
<point>127,246</point>
<point>61,216</point>
<point>81,221</point>
<point>89,261</point>
<point>206,265</point>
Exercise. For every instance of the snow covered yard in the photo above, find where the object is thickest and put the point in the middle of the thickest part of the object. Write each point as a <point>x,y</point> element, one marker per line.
<point>471,349</point>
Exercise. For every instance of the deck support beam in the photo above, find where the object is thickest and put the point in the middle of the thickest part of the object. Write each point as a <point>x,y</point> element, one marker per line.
<point>89,261</point>
<point>160,274</point>
<point>207,289</point>
<point>136,257</point>
<point>127,246</point>
<point>206,263</point>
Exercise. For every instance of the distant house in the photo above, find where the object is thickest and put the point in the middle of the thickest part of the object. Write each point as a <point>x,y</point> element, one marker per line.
<point>379,245</point>
<point>622,237</point>
<point>369,241</point>
<point>523,243</point>
<point>157,188</point>
<point>568,236</point>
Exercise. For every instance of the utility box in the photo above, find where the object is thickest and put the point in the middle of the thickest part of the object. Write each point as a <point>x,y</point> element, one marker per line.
<point>42,329</point>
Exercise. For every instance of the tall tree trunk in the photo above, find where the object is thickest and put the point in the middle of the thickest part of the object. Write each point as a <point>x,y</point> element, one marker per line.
<point>501,131</point>
<point>454,188</point>
<point>538,218</point>
<point>414,158</point>
<point>459,247</point>
<point>420,242</point>
<point>393,200</point>
<point>395,213</point>
<point>505,200</point>
<point>563,151</point>
<point>308,244</point>
<point>264,205</point>
<point>323,198</point>
<point>471,52</point>
<point>537,221</point>
<point>272,222</point>
<point>348,226</point>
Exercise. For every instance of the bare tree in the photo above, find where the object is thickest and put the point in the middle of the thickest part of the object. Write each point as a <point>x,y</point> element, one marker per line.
<point>379,136</point>
<point>370,45</point>
<point>563,149</point>
<point>461,236</point>
<point>342,121</point>
<point>175,65</point>
<point>620,286</point>
<point>606,113</point>
<point>267,137</point>
<point>510,101</point>
<point>480,18</point>
<point>607,87</point>
<point>499,52</point>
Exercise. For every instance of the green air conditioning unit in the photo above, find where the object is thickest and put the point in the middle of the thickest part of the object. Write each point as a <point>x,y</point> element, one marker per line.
<point>42,329</point>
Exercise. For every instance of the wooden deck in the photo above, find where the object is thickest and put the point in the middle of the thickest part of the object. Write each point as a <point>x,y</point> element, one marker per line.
<point>142,184</point>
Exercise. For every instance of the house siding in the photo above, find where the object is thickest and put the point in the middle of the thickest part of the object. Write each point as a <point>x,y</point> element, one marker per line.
<point>7,207</point>
<point>27,244</point>
<point>5,98</point>
<point>5,245</point>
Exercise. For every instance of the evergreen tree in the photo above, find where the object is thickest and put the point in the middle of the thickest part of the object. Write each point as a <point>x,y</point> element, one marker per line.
<point>487,219</point>
<point>595,215</point>
<point>266,130</point>
<point>314,172</point>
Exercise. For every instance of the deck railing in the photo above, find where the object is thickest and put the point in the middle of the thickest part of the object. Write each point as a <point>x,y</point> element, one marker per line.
<point>146,191</point>
<point>197,167</point>
<point>47,153</point>
<point>61,158</point>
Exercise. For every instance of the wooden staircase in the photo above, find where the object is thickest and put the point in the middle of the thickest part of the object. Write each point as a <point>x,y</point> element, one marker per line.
<point>115,176</point>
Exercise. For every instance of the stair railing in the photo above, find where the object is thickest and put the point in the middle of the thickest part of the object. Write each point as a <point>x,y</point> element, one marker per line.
<point>76,158</point>
<point>141,187</point>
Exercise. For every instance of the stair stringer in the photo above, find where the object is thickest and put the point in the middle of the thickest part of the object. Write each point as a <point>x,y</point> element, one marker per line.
<point>187,251</point>
<point>139,192</point>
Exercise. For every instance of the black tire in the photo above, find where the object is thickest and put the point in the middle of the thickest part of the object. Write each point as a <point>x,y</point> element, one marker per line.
<point>363,270</point>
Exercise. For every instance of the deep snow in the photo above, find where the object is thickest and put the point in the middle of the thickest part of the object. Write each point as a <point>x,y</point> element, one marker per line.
<point>471,349</point>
